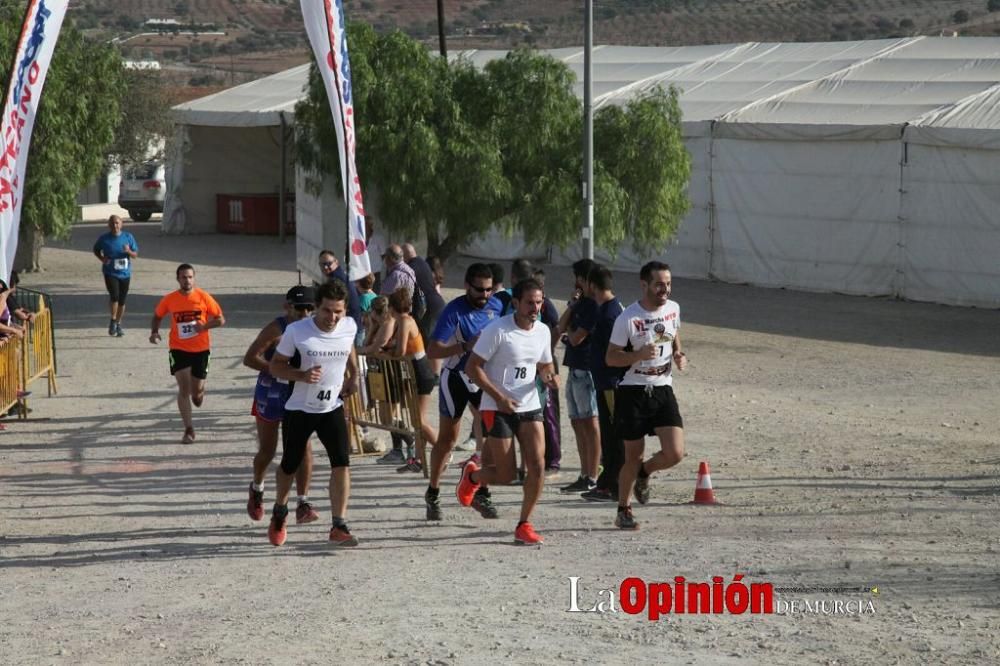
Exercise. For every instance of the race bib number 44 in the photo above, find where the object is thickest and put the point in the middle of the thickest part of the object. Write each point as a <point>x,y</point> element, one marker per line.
<point>319,398</point>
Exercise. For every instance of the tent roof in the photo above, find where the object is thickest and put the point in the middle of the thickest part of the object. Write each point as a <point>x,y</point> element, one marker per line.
<point>804,88</point>
<point>255,104</point>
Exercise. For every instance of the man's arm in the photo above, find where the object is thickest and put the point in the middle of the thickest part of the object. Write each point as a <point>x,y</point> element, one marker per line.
<point>254,357</point>
<point>213,319</point>
<point>617,357</point>
<point>351,375</point>
<point>680,358</point>
<point>474,369</point>
<point>438,349</point>
<point>280,368</point>
<point>564,318</point>
<point>214,322</point>
<point>154,329</point>
<point>547,371</point>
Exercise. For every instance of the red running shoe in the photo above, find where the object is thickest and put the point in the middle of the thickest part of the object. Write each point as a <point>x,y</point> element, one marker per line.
<point>466,488</point>
<point>276,531</point>
<point>305,513</point>
<point>255,504</point>
<point>526,535</point>
<point>342,537</point>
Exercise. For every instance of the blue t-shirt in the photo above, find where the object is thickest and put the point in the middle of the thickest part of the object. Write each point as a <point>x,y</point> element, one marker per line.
<point>583,317</point>
<point>113,247</point>
<point>460,321</point>
<point>605,377</point>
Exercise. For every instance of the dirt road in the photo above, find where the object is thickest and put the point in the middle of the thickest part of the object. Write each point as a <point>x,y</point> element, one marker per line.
<point>854,442</point>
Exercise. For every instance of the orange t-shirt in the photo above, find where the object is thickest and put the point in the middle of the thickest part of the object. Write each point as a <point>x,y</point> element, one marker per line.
<point>184,311</point>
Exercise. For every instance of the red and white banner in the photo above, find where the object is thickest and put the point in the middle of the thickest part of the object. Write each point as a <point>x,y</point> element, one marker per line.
<point>327,32</point>
<point>39,33</point>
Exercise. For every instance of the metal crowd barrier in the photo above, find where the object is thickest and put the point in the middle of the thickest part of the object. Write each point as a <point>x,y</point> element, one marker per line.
<point>387,400</point>
<point>23,360</point>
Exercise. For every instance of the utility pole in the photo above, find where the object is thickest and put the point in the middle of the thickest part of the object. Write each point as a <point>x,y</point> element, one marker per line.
<point>441,40</point>
<point>588,132</point>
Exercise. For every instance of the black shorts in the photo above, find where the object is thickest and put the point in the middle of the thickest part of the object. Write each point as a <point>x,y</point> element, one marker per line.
<point>455,395</point>
<point>197,361</point>
<point>330,428</point>
<point>505,426</point>
<point>639,410</point>
<point>424,376</point>
<point>117,288</point>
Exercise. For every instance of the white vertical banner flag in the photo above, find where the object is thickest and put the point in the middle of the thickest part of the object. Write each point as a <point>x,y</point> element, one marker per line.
<point>39,33</point>
<point>327,32</point>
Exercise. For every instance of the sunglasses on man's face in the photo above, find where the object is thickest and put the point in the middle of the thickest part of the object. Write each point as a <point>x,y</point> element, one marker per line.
<point>326,264</point>
<point>304,308</point>
<point>482,290</point>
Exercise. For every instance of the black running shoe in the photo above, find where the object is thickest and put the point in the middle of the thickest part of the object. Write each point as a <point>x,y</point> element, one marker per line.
<point>624,519</point>
<point>599,495</point>
<point>581,485</point>
<point>484,505</point>
<point>641,490</point>
<point>433,505</point>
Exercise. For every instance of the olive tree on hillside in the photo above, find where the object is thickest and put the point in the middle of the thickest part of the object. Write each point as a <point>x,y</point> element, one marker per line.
<point>450,150</point>
<point>76,123</point>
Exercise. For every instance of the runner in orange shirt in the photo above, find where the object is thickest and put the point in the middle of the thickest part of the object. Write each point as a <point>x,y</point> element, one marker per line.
<point>192,313</point>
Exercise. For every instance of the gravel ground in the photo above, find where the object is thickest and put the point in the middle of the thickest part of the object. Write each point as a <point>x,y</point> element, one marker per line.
<point>853,442</point>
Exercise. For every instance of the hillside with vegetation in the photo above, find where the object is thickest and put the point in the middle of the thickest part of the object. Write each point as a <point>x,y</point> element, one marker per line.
<point>222,42</point>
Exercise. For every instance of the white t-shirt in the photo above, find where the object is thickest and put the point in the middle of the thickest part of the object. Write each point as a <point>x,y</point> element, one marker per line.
<point>330,351</point>
<point>641,327</point>
<point>512,356</point>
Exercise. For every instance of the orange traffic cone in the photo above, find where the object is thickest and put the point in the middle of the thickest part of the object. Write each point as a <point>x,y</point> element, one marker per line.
<point>703,488</point>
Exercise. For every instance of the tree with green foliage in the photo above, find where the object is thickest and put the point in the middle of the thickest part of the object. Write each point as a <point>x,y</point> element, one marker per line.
<point>76,122</point>
<point>449,150</point>
<point>144,121</point>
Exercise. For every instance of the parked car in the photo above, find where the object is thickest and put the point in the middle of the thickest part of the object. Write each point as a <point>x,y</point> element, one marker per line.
<point>142,189</point>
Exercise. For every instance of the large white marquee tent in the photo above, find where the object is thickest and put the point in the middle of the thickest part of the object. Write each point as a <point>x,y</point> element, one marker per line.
<point>858,167</point>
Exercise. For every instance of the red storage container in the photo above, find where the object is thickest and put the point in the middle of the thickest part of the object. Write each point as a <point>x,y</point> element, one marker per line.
<point>255,214</point>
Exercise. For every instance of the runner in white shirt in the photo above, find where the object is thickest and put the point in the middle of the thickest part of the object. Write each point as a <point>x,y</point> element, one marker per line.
<point>645,339</point>
<point>318,355</point>
<point>504,363</point>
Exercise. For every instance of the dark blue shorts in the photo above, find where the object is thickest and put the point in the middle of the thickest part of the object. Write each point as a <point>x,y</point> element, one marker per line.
<point>269,399</point>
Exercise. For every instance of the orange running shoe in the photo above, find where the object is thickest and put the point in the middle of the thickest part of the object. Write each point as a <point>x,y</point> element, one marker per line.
<point>341,536</point>
<point>466,488</point>
<point>276,531</point>
<point>526,535</point>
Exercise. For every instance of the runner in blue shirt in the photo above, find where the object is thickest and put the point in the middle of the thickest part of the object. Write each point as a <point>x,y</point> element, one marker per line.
<point>116,249</point>
<point>455,334</point>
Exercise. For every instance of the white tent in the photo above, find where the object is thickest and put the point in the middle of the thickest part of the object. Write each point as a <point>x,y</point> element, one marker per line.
<point>859,167</point>
<point>230,142</point>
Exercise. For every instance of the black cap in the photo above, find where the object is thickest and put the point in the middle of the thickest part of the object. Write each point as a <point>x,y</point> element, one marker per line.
<point>301,295</point>
<point>3,285</point>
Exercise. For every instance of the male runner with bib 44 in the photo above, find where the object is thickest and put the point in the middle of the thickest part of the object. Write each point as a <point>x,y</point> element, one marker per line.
<point>327,371</point>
